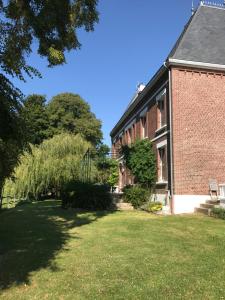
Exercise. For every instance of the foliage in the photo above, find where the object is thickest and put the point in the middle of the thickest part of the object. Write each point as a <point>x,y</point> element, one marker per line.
<point>48,167</point>
<point>114,174</point>
<point>36,118</point>
<point>11,129</point>
<point>86,196</point>
<point>218,212</point>
<point>69,112</point>
<point>136,195</point>
<point>65,113</point>
<point>52,24</point>
<point>140,159</point>
<point>108,171</point>
<point>102,151</point>
<point>153,206</point>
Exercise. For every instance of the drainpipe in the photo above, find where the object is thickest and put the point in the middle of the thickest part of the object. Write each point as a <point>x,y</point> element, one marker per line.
<point>171,142</point>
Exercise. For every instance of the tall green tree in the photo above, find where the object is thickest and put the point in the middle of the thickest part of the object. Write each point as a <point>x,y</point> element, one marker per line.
<point>36,118</point>
<point>11,129</point>
<point>69,112</point>
<point>52,24</point>
<point>48,166</point>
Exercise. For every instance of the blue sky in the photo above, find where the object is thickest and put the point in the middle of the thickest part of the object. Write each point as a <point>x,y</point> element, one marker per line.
<point>128,45</point>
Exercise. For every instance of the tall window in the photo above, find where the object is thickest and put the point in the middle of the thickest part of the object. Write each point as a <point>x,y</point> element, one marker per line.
<point>161,109</point>
<point>129,135</point>
<point>143,127</point>
<point>162,165</point>
<point>134,131</point>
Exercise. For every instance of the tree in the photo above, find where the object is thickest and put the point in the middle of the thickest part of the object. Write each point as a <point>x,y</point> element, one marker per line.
<point>141,161</point>
<point>48,166</point>
<point>36,118</point>
<point>52,24</point>
<point>11,130</point>
<point>103,151</point>
<point>69,112</point>
<point>108,169</point>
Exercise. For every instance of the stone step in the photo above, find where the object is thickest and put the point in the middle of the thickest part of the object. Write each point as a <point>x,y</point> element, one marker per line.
<point>213,201</point>
<point>124,206</point>
<point>117,197</point>
<point>207,205</point>
<point>202,210</point>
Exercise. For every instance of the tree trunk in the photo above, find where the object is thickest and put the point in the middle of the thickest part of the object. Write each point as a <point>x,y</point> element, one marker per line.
<point>1,196</point>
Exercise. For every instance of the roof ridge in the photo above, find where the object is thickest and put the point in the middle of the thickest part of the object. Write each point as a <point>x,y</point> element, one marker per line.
<point>212,4</point>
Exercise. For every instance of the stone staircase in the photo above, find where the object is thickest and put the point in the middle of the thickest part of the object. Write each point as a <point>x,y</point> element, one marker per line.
<point>205,208</point>
<point>118,203</point>
<point>124,206</point>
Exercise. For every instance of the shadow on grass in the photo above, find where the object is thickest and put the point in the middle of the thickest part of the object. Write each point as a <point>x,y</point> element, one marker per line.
<point>31,236</point>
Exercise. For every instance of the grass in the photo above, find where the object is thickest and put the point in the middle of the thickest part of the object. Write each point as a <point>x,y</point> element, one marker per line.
<point>49,253</point>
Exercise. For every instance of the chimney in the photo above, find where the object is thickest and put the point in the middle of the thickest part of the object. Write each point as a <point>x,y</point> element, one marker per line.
<point>140,87</point>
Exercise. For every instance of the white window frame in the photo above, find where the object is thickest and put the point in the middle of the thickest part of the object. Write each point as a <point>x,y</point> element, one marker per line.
<point>159,146</point>
<point>160,99</point>
<point>144,132</point>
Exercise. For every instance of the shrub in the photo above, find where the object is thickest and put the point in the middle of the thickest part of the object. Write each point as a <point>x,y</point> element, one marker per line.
<point>153,206</point>
<point>218,212</point>
<point>136,195</point>
<point>86,196</point>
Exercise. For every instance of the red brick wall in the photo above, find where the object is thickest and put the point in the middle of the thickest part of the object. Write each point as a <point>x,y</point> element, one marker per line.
<point>198,113</point>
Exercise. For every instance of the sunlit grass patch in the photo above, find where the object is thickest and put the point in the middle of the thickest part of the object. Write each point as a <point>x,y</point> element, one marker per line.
<point>47,252</point>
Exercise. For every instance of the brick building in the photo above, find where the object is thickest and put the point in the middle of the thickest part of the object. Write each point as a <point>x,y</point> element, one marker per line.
<point>182,111</point>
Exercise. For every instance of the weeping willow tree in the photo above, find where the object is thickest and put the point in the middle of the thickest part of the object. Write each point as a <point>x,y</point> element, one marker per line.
<point>47,167</point>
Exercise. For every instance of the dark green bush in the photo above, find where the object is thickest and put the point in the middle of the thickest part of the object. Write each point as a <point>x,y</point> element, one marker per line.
<point>86,196</point>
<point>126,188</point>
<point>218,212</point>
<point>136,195</point>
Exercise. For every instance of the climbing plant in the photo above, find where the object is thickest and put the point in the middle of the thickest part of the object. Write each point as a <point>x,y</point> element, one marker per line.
<point>140,159</point>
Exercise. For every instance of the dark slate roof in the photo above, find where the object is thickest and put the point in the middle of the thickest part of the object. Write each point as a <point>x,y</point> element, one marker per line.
<point>203,39</point>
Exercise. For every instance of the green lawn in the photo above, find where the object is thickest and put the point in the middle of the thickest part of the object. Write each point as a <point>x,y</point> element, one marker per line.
<point>48,253</point>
